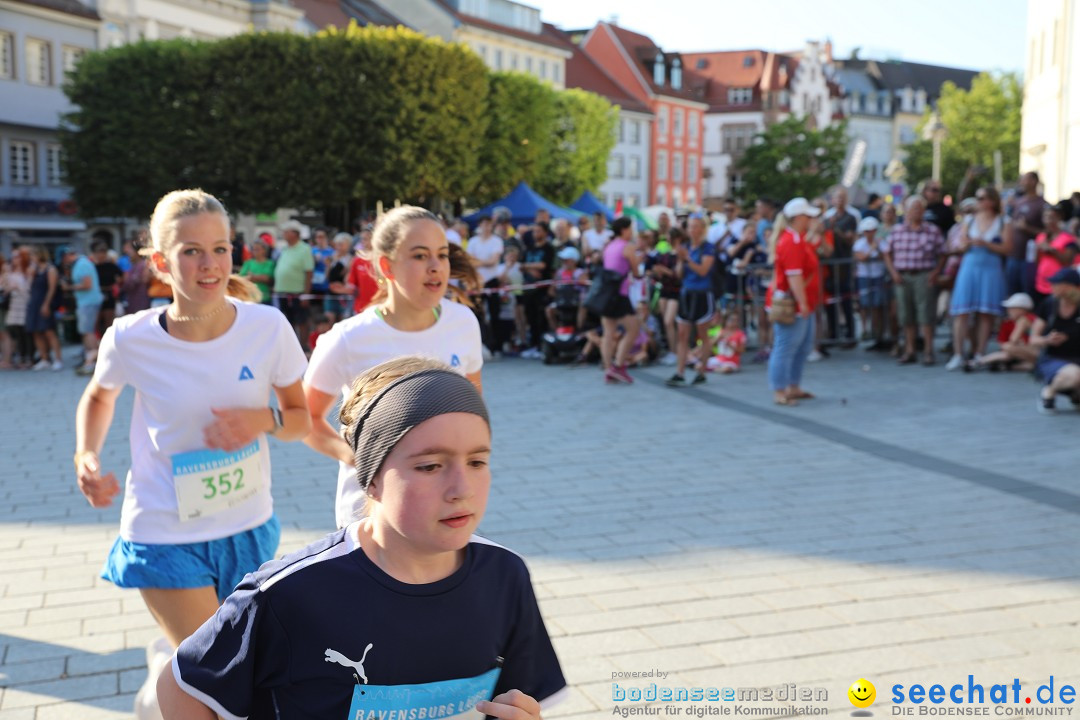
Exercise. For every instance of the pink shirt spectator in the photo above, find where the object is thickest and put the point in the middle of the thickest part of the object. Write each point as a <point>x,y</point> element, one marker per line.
<point>1048,264</point>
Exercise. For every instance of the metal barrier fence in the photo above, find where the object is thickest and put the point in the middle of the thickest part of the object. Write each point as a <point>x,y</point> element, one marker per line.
<point>839,302</point>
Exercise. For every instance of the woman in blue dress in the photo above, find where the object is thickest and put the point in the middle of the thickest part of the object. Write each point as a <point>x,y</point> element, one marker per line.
<point>980,282</point>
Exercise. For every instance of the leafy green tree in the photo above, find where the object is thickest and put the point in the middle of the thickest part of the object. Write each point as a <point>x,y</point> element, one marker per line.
<point>789,160</point>
<point>584,135</point>
<point>522,113</point>
<point>138,128</point>
<point>977,122</point>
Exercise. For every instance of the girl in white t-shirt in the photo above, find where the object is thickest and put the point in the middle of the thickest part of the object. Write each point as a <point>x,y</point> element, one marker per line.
<point>409,316</point>
<point>197,512</point>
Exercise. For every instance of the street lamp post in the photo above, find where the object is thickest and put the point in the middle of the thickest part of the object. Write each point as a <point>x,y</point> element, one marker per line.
<point>935,131</point>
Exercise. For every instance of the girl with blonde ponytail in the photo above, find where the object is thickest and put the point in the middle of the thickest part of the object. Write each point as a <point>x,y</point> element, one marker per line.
<point>197,510</point>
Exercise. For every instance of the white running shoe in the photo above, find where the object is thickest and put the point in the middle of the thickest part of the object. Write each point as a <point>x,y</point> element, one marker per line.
<point>41,365</point>
<point>814,356</point>
<point>669,359</point>
<point>158,654</point>
<point>955,363</point>
<point>57,365</point>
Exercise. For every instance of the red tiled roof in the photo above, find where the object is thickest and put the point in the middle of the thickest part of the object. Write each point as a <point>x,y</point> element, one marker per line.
<point>642,50</point>
<point>723,70</point>
<point>323,13</point>
<point>583,72</point>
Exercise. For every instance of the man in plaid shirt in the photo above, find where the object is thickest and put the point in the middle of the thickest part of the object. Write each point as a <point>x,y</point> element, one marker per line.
<point>914,259</point>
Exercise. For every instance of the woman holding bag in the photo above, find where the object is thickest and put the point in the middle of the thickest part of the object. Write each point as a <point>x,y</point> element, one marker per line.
<point>794,299</point>
<point>620,258</point>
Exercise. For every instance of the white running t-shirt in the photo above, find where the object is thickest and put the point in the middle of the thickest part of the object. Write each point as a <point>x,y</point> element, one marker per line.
<point>365,340</point>
<point>176,384</point>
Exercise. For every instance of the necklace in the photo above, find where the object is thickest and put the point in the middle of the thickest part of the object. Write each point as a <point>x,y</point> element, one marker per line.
<point>194,318</point>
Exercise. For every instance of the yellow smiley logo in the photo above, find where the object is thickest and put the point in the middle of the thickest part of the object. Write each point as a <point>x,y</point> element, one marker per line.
<point>862,693</point>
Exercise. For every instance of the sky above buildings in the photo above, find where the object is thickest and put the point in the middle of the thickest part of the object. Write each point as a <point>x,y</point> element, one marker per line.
<point>973,34</point>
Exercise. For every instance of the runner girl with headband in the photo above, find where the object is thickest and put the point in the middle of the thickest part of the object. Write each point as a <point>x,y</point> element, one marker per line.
<point>403,614</point>
<point>197,510</point>
<point>409,316</point>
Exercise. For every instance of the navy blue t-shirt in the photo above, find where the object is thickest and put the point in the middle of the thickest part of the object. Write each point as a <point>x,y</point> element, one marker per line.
<point>297,636</point>
<point>691,280</point>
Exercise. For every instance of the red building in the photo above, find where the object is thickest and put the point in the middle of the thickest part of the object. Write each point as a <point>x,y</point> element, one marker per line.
<point>673,94</point>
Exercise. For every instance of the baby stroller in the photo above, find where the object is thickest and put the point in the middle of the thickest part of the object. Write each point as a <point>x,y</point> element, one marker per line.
<point>565,343</point>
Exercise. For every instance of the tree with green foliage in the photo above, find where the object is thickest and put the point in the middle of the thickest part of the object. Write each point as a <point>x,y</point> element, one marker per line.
<point>583,139</point>
<point>269,120</point>
<point>977,122</point>
<point>522,112</point>
<point>791,160</point>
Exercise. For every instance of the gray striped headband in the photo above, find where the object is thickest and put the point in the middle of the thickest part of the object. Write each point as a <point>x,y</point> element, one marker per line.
<point>401,406</point>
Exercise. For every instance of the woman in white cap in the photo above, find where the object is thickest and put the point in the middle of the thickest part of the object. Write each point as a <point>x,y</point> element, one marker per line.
<point>794,297</point>
<point>868,252</point>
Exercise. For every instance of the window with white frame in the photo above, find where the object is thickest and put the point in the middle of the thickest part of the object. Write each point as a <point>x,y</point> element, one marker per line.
<point>738,183</point>
<point>7,56</point>
<point>635,132</point>
<point>38,65</point>
<point>528,63</point>
<point>661,121</point>
<point>498,59</point>
<point>635,167</point>
<point>622,129</point>
<point>692,121</point>
<point>691,196</point>
<point>740,96</point>
<point>556,72</point>
<point>23,170</point>
<point>633,200</point>
<point>615,169</point>
<point>513,61</point>
<point>676,167</point>
<point>676,198</point>
<point>736,138</point>
<point>677,123</point>
<point>661,165</point>
<point>691,168</point>
<point>54,164</point>
<point>72,56</point>
<point>543,69</point>
<point>661,194</point>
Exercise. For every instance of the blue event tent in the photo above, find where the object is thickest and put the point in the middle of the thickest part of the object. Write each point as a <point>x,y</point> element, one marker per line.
<point>522,202</point>
<point>589,204</point>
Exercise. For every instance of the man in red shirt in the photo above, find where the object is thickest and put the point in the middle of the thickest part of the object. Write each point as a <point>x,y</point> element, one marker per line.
<point>362,275</point>
<point>797,276</point>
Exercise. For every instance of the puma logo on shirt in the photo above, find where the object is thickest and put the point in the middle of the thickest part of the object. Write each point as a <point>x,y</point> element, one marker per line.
<point>335,657</point>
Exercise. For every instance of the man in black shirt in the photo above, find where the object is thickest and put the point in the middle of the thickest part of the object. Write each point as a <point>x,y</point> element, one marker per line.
<point>1056,332</point>
<point>538,265</point>
<point>110,276</point>
<point>937,212</point>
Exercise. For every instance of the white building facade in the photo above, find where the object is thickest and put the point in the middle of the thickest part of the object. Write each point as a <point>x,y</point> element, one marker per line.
<point>39,42</point>
<point>628,163</point>
<point>727,136</point>
<point>1050,130</point>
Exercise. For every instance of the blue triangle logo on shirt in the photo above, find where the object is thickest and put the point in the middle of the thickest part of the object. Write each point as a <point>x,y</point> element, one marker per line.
<point>454,361</point>
<point>245,374</point>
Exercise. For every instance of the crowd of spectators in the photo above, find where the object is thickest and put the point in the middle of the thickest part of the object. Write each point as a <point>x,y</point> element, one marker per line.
<point>987,267</point>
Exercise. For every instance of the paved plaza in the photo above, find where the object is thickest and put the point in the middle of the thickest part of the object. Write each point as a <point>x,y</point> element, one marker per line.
<point>908,526</point>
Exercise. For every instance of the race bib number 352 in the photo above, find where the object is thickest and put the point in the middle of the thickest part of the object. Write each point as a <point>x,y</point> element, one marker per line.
<point>210,481</point>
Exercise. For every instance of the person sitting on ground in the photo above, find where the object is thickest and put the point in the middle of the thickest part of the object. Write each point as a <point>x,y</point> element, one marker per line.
<point>729,347</point>
<point>1056,332</point>
<point>1016,351</point>
<point>435,616</point>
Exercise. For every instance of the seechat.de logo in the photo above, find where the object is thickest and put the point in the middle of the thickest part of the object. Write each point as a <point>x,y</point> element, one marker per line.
<point>862,694</point>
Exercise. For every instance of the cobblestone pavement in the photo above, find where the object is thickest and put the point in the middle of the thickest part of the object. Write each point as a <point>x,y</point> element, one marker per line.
<point>907,526</point>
